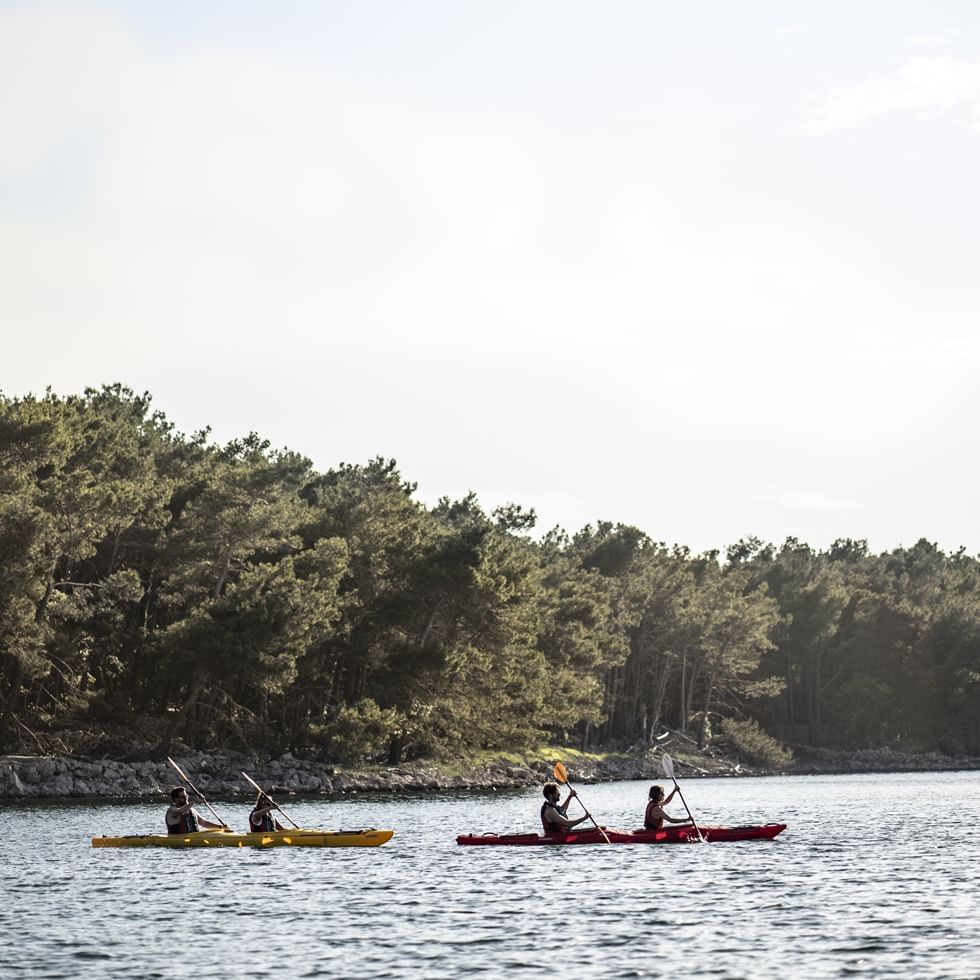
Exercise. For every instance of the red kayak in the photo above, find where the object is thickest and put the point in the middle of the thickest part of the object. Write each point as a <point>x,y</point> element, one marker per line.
<point>669,835</point>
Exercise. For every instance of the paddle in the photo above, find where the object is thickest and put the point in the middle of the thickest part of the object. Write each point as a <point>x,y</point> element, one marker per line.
<point>668,765</point>
<point>561,775</point>
<point>271,800</point>
<point>183,775</point>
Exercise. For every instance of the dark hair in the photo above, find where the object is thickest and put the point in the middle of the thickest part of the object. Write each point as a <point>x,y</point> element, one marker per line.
<point>656,793</point>
<point>550,788</point>
<point>175,791</point>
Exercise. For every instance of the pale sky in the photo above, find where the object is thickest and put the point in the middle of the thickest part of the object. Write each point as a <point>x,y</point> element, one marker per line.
<point>710,269</point>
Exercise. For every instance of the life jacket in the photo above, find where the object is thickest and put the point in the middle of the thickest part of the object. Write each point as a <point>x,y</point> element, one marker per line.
<point>261,824</point>
<point>186,825</point>
<point>652,823</point>
<point>551,828</point>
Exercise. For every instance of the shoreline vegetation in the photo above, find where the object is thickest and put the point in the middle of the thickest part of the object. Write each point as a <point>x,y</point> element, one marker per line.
<point>25,778</point>
<point>159,589</point>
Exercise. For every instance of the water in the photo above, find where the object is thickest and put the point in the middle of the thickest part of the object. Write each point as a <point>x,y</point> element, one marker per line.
<point>876,876</point>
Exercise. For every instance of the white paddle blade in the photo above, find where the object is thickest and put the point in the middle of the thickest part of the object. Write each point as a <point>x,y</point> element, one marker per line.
<point>668,764</point>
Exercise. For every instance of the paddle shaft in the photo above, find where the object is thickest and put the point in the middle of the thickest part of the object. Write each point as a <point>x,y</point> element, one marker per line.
<point>589,815</point>
<point>689,815</point>
<point>270,799</point>
<point>183,775</point>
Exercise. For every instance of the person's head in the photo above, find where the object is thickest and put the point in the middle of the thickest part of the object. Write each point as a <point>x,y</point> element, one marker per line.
<point>262,801</point>
<point>550,791</point>
<point>178,796</point>
<point>657,794</point>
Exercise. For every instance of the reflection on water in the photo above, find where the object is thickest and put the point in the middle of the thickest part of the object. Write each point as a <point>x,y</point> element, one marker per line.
<point>859,884</point>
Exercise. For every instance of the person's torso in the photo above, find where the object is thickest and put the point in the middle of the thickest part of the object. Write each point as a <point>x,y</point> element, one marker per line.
<point>654,817</point>
<point>261,824</point>
<point>186,823</point>
<point>549,827</point>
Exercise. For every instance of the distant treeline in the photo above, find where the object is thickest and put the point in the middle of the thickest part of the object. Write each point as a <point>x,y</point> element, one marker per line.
<point>157,586</point>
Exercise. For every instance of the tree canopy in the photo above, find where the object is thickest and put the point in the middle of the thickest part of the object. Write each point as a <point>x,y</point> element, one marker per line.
<point>164,586</point>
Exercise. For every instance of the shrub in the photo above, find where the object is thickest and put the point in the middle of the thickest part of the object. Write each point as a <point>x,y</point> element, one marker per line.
<point>754,746</point>
<point>359,732</point>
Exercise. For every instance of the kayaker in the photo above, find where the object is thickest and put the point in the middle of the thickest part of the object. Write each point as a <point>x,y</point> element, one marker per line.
<point>656,815</point>
<point>554,817</point>
<point>261,820</point>
<point>182,818</point>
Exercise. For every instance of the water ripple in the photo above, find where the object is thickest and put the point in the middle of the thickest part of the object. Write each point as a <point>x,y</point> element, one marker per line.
<point>873,894</point>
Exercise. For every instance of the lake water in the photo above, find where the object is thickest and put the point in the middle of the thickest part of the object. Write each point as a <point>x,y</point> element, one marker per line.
<point>876,876</point>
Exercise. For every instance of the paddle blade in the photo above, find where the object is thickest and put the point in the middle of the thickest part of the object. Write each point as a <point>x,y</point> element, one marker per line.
<point>668,764</point>
<point>561,774</point>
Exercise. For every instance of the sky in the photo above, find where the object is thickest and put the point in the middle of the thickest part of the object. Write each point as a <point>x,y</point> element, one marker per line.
<point>707,269</point>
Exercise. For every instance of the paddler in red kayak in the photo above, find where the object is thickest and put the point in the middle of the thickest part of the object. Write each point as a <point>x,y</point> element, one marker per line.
<point>554,817</point>
<point>261,820</point>
<point>655,816</point>
<point>182,818</point>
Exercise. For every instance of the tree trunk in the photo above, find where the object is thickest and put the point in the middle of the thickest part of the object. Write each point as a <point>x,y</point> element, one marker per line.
<point>815,720</point>
<point>197,685</point>
<point>658,701</point>
<point>694,675</point>
<point>703,727</point>
<point>223,574</point>
<point>7,715</point>
<point>683,705</point>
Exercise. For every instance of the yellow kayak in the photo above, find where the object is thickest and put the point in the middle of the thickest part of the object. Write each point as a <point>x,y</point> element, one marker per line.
<point>229,838</point>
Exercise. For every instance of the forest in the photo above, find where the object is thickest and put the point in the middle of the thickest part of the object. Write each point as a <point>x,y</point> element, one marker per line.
<point>157,586</point>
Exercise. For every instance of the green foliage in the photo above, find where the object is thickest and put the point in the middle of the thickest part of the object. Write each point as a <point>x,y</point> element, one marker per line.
<point>357,733</point>
<point>754,746</point>
<point>231,594</point>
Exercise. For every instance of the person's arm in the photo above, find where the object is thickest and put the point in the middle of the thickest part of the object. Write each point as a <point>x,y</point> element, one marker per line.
<point>568,799</point>
<point>557,820</point>
<point>671,819</point>
<point>670,796</point>
<point>206,824</point>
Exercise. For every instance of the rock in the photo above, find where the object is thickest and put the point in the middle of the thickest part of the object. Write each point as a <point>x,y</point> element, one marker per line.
<point>12,784</point>
<point>46,768</point>
<point>61,785</point>
<point>38,777</point>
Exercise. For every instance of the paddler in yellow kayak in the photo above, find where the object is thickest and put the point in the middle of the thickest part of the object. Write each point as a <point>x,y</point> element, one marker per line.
<point>554,816</point>
<point>261,820</point>
<point>182,818</point>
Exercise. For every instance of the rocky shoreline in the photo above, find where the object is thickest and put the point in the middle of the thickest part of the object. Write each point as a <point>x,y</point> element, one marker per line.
<point>218,775</point>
